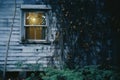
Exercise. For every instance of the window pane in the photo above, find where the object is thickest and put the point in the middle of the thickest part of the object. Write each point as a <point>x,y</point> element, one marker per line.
<point>35,33</point>
<point>35,18</point>
<point>30,32</point>
<point>40,33</point>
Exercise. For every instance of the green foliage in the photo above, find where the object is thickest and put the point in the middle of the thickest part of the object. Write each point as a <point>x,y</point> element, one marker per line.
<point>32,77</point>
<point>19,64</point>
<point>86,73</point>
<point>34,67</point>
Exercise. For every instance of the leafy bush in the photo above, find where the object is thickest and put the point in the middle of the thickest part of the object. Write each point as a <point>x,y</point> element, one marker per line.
<point>86,73</point>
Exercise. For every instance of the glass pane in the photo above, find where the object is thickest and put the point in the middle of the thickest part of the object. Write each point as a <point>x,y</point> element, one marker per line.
<point>35,18</point>
<point>35,32</point>
<point>40,33</point>
<point>30,32</point>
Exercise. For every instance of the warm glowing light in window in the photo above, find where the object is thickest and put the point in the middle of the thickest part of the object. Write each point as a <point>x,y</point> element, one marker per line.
<point>33,18</point>
<point>36,26</point>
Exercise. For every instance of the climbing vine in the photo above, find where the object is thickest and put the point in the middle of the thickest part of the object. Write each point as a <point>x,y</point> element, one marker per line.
<point>86,31</point>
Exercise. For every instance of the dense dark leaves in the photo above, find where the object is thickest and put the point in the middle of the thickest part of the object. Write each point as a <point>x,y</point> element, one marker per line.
<point>87,31</point>
<point>85,27</point>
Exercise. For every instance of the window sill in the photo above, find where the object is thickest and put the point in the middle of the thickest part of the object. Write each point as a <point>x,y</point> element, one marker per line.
<point>35,42</point>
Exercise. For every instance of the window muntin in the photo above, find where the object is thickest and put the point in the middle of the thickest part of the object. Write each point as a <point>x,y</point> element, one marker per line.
<point>35,24</point>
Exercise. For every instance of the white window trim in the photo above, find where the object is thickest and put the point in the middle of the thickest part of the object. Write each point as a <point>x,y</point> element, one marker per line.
<point>34,8</point>
<point>46,25</point>
<point>41,7</point>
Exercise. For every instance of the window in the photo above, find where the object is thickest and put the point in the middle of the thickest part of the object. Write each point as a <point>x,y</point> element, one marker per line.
<point>34,23</point>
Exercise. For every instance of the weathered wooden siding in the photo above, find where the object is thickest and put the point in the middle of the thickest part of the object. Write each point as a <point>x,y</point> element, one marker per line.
<point>18,53</point>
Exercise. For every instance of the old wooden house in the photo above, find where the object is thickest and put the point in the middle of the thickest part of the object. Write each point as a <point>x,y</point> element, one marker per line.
<point>31,28</point>
<point>35,34</point>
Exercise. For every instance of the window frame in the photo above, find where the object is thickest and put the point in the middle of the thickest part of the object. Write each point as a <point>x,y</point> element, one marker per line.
<point>34,8</point>
<point>46,26</point>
